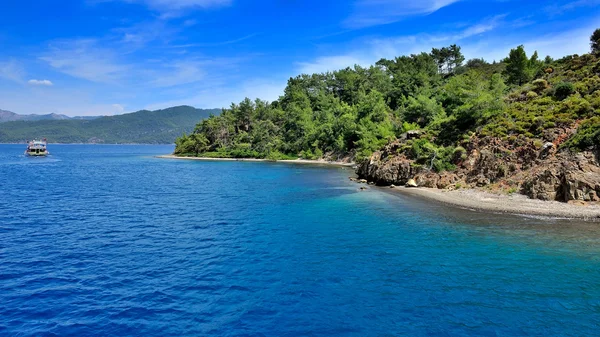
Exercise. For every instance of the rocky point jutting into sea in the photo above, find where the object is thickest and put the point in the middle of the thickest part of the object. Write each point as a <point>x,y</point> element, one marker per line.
<point>540,172</point>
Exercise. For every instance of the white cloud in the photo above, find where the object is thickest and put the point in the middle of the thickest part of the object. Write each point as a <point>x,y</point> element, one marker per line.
<point>172,8</point>
<point>117,109</point>
<point>368,13</point>
<point>476,41</point>
<point>12,71</point>
<point>480,28</point>
<point>559,9</point>
<point>109,64</point>
<point>46,83</point>
<point>178,73</point>
<point>65,101</point>
<point>575,41</point>
<point>222,96</point>
<point>85,59</point>
<point>372,50</point>
<point>331,63</point>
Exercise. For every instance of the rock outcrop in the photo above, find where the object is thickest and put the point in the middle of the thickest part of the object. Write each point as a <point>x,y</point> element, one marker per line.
<point>386,168</point>
<point>539,171</point>
<point>565,177</point>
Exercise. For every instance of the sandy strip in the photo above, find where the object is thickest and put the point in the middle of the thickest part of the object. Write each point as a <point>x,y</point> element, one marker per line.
<point>294,161</point>
<point>513,204</point>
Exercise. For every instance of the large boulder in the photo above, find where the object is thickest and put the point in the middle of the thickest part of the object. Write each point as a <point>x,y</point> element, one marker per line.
<point>385,168</point>
<point>581,178</point>
<point>411,183</point>
<point>544,185</point>
<point>568,177</point>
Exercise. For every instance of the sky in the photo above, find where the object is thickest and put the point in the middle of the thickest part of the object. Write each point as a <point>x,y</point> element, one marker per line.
<point>106,57</point>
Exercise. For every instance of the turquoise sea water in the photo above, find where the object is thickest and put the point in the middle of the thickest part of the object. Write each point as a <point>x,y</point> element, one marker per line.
<point>109,241</point>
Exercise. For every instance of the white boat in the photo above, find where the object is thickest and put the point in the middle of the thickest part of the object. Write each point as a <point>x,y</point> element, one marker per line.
<point>37,148</point>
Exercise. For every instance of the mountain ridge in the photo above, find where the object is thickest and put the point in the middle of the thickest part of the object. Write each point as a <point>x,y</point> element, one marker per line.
<point>9,116</point>
<point>140,127</point>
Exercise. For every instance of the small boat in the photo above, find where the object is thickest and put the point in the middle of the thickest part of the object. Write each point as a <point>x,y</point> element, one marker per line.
<point>37,148</point>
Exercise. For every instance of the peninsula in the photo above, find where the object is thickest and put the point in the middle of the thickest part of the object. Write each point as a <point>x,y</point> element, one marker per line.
<point>525,125</point>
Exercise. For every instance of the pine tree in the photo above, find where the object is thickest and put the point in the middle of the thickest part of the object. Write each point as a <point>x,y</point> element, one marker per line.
<point>595,41</point>
<point>517,66</point>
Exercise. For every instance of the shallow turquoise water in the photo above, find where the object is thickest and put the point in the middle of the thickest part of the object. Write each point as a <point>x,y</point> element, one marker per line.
<point>107,240</point>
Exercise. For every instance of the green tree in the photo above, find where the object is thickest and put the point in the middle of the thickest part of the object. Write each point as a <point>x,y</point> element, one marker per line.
<point>517,66</point>
<point>595,41</point>
<point>476,63</point>
<point>456,57</point>
<point>447,58</point>
<point>422,110</point>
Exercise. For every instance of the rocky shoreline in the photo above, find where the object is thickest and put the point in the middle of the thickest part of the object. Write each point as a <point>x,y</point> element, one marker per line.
<point>516,204</point>
<point>538,172</point>
<point>469,197</point>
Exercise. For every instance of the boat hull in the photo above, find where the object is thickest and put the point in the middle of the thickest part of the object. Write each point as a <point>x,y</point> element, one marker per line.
<point>36,154</point>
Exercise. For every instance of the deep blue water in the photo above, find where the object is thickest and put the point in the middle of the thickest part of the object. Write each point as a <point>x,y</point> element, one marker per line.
<point>110,241</point>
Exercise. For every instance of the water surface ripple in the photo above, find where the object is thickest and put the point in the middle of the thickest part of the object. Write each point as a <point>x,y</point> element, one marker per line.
<point>109,241</point>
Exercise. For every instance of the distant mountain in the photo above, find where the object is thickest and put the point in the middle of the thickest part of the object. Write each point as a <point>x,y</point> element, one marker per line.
<point>141,127</point>
<point>9,116</point>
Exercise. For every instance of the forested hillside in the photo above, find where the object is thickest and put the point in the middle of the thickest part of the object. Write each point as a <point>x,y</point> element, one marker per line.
<point>356,111</point>
<point>143,127</point>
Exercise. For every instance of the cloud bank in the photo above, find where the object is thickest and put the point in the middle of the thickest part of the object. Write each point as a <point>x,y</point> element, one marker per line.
<point>46,83</point>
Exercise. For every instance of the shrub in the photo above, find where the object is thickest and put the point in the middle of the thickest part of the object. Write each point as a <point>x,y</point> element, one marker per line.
<point>531,95</point>
<point>588,135</point>
<point>318,153</point>
<point>307,154</point>
<point>564,90</point>
<point>540,85</point>
<point>459,154</point>
<point>431,156</point>
<point>406,126</point>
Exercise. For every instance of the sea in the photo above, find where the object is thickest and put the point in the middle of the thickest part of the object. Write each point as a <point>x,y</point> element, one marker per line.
<point>108,240</point>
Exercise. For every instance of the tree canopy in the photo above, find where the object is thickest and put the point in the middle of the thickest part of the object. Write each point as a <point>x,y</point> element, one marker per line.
<point>357,110</point>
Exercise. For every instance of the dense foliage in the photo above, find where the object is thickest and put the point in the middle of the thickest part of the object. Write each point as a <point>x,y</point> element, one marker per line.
<point>355,111</point>
<point>142,127</point>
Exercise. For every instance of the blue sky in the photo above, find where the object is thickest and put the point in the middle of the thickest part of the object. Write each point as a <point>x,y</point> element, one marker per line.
<point>104,57</point>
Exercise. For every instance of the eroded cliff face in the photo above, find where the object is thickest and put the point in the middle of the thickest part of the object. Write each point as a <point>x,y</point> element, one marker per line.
<point>540,172</point>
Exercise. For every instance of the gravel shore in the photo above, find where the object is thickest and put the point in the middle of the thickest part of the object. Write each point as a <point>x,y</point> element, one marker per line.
<point>498,203</point>
<point>292,161</point>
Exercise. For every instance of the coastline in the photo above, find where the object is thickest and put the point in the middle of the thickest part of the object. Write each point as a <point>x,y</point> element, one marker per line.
<point>516,204</point>
<point>288,161</point>
<point>470,199</point>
